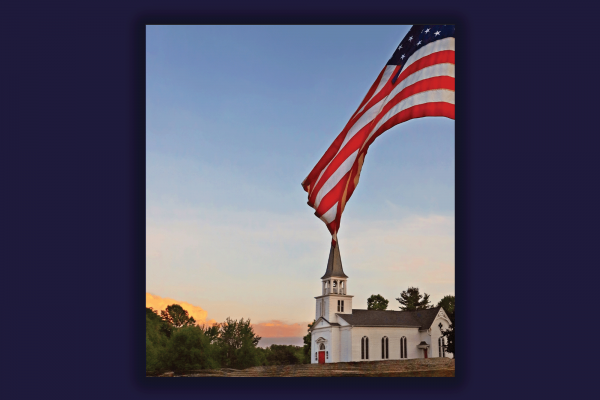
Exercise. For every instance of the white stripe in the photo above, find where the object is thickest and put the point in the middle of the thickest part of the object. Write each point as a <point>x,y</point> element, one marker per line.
<point>335,177</point>
<point>433,47</point>
<point>384,78</point>
<point>330,215</point>
<point>430,96</point>
<point>362,121</point>
<point>422,74</point>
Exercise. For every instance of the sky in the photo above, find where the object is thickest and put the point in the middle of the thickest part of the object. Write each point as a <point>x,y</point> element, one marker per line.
<point>236,117</point>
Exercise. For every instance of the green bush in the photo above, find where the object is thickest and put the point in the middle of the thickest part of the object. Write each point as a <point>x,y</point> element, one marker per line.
<point>189,349</point>
<point>284,355</point>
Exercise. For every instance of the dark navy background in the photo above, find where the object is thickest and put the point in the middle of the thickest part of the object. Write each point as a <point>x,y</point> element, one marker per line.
<point>73,208</point>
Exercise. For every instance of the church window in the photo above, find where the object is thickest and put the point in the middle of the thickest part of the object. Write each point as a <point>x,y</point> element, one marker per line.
<point>339,305</point>
<point>385,348</point>
<point>441,350</point>
<point>327,355</point>
<point>322,308</point>
<point>316,356</point>
<point>403,353</point>
<point>322,347</point>
<point>441,326</point>
<point>364,348</point>
<point>342,305</point>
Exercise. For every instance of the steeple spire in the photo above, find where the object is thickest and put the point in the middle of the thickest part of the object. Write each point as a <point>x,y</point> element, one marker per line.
<point>334,265</point>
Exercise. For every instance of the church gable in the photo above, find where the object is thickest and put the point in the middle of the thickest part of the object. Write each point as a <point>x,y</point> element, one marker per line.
<point>442,314</point>
<point>323,323</point>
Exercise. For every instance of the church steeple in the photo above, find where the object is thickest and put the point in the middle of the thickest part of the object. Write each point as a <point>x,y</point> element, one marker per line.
<point>334,298</point>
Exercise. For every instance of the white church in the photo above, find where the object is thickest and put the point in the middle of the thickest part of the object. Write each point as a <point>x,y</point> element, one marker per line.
<point>343,334</point>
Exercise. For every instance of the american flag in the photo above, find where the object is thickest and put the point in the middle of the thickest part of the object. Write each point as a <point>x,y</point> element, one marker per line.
<point>418,81</point>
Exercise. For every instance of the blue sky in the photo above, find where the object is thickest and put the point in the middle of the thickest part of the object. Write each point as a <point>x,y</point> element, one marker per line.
<point>236,117</point>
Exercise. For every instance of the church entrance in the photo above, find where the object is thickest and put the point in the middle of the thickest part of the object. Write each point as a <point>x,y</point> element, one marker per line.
<point>321,357</point>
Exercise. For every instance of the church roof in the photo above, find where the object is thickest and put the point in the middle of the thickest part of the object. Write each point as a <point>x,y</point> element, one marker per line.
<point>418,319</point>
<point>334,264</point>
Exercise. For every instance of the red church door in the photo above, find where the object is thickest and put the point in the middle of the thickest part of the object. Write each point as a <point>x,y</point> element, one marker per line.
<point>425,350</point>
<point>321,357</point>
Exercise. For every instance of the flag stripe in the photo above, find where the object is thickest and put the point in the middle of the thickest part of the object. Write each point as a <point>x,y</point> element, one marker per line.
<point>335,177</point>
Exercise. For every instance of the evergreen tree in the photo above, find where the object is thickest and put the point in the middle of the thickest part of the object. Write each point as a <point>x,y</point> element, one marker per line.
<point>412,300</point>
<point>377,302</point>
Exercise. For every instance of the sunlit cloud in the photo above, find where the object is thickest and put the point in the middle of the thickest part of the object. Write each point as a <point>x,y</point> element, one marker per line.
<point>276,328</point>
<point>160,303</point>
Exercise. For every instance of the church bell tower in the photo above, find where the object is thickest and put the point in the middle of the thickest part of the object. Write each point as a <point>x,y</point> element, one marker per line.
<point>334,288</point>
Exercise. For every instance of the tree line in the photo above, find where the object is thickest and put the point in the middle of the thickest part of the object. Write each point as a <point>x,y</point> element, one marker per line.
<point>175,342</point>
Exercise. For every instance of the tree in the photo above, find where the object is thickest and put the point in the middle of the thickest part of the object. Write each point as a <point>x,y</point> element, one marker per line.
<point>447,303</point>
<point>284,355</point>
<point>307,342</point>
<point>176,316</point>
<point>377,302</point>
<point>157,338</point>
<point>237,342</point>
<point>449,335</point>
<point>211,332</point>
<point>190,349</point>
<point>410,300</point>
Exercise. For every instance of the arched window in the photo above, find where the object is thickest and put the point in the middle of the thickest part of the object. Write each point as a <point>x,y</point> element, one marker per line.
<point>322,347</point>
<point>441,350</point>
<point>403,353</point>
<point>364,348</point>
<point>384,348</point>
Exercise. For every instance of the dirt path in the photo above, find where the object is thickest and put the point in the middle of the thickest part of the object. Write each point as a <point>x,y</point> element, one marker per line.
<point>439,367</point>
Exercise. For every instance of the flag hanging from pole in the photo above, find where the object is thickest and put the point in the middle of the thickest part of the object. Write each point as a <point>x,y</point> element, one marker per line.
<point>418,81</point>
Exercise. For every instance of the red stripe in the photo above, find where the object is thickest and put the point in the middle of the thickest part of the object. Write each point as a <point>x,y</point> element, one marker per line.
<point>436,109</point>
<point>438,82</point>
<point>440,57</point>
<point>333,196</point>
<point>350,147</point>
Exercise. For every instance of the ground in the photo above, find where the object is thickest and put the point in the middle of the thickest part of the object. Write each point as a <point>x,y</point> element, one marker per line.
<point>438,367</point>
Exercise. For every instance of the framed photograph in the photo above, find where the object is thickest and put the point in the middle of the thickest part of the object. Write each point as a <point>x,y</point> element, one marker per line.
<point>300,200</point>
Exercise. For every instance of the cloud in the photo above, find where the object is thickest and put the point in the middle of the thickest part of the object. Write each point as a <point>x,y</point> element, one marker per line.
<point>160,303</point>
<point>276,328</point>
